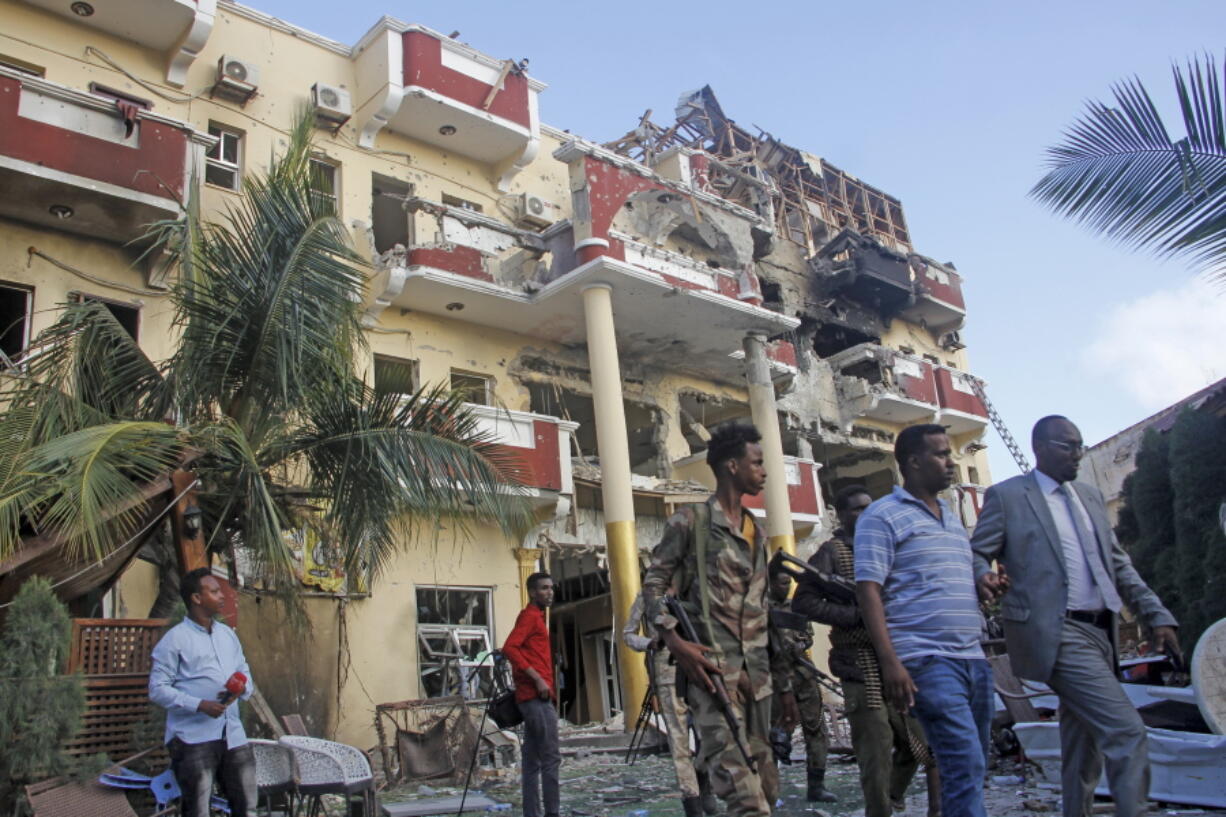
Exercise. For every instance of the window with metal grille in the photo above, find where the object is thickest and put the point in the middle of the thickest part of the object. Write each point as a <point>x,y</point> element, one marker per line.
<point>454,632</point>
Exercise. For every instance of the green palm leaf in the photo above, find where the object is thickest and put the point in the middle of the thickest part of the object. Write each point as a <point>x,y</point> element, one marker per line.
<point>1119,172</point>
<point>87,485</point>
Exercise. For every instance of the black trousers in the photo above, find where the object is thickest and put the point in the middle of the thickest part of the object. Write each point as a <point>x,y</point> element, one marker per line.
<point>198,765</point>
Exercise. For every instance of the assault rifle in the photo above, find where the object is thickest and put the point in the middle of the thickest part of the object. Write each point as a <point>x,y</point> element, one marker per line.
<point>721,690</point>
<point>787,620</point>
<point>835,587</point>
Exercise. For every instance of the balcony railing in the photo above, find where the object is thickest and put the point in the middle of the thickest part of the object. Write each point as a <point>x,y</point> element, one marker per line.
<point>68,161</point>
<point>961,409</point>
<point>804,493</point>
<point>938,303</point>
<point>542,444</point>
<point>427,86</point>
<point>884,384</point>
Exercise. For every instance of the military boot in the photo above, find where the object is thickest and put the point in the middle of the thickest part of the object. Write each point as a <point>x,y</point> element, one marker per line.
<point>817,787</point>
<point>692,806</point>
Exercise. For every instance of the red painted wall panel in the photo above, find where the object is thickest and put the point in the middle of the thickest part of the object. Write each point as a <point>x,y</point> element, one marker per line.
<point>801,497</point>
<point>542,466</point>
<point>162,152</point>
<point>950,293</point>
<point>423,66</point>
<point>782,351</point>
<point>958,400</point>
<point>464,261</point>
<point>922,388</point>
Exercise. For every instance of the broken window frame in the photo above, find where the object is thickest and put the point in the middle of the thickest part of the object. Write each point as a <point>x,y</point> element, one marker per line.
<point>461,204</point>
<point>122,310</point>
<point>411,365</point>
<point>466,672</point>
<point>484,389</point>
<point>22,328</point>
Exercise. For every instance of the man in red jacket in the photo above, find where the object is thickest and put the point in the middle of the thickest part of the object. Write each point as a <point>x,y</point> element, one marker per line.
<point>531,659</point>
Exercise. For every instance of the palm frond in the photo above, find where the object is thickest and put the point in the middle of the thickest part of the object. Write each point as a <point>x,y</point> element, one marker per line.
<point>271,306</point>
<point>87,486</point>
<point>1119,172</point>
<point>381,464</point>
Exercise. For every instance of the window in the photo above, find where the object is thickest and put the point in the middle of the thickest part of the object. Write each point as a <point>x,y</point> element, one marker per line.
<point>223,164</point>
<point>119,96</point>
<point>21,66</point>
<point>16,307</point>
<point>395,375</point>
<point>390,222</point>
<point>453,636</point>
<point>323,183</point>
<point>463,204</point>
<point>475,387</point>
<point>127,314</point>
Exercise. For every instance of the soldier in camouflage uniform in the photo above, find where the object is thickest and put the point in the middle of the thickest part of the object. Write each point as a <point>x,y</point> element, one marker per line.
<point>696,795</point>
<point>724,595</point>
<point>889,745</point>
<point>796,644</point>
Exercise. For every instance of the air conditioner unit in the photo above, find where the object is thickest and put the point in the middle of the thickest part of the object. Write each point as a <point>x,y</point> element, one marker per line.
<point>237,80</point>
<point>332,104</point>
<point>534,211</point>
<point>951,341</point>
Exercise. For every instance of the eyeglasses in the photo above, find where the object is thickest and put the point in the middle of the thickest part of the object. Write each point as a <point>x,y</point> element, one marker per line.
<point>1069,448</point>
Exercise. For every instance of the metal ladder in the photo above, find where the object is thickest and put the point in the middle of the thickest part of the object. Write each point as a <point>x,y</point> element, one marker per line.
<point>1016,450</point>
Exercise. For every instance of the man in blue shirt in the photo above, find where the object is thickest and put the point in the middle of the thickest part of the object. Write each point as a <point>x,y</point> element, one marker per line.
<point>205,738</point>
<point>917,594</point>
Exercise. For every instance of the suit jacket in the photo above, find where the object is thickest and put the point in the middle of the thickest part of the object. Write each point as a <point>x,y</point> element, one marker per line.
<point>1016,527</point>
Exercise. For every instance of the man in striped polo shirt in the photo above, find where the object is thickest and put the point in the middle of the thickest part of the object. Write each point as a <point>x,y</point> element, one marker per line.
<point>916,588</point>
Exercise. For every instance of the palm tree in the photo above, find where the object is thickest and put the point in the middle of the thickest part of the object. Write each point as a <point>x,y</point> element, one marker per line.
<point>262,392</point>
<point>1119,171</point>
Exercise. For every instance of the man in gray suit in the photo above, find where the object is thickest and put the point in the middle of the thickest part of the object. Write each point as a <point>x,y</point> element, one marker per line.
<point>1064,580</point>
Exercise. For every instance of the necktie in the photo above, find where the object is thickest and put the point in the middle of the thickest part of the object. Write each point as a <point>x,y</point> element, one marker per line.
<point>1089,546</point>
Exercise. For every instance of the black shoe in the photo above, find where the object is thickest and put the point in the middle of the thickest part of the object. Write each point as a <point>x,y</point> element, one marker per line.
<point>818,793</point>
<point>692,806</point>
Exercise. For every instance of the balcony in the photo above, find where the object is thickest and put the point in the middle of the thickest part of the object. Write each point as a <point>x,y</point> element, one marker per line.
<point>542,444</point>
<point>804,494</point>
<point>961,409</point>
<point>177,29</point>
<point>859,268</point>
<point>67,163</point>
<point>938,300</point>
<point>883,384</point>
<point>421,84</point>
<point>695,325</point>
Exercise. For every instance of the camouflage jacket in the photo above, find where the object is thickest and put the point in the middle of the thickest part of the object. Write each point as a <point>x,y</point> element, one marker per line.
<point>736,579</point>
<point>792,643</point>
<point>811,602</point>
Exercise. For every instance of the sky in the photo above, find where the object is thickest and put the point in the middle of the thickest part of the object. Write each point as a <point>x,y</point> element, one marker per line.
<point>947,106</point>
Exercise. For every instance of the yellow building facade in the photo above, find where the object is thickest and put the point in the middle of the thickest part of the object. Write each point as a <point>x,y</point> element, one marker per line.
<point>604,304</point>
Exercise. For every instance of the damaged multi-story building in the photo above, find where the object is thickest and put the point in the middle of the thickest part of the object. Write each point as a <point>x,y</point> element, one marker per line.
<point>604,303</point>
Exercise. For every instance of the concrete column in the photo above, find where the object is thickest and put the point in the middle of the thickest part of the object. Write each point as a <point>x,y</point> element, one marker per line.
<point>614,450</point>
<point>526,557</point>
<point>765,416</point>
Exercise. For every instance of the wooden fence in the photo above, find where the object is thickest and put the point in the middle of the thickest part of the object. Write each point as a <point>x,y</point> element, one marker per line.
<point>114,656</point>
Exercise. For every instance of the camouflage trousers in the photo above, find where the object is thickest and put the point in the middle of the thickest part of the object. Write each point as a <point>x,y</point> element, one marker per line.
<point>812,724</point>
<point>744,793</point>
<point>881,739</point>
<point>676,719</point>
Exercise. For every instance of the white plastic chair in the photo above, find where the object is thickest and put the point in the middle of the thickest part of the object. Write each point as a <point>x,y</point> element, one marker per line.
<point>274,772</point>
<point>326,767</point>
